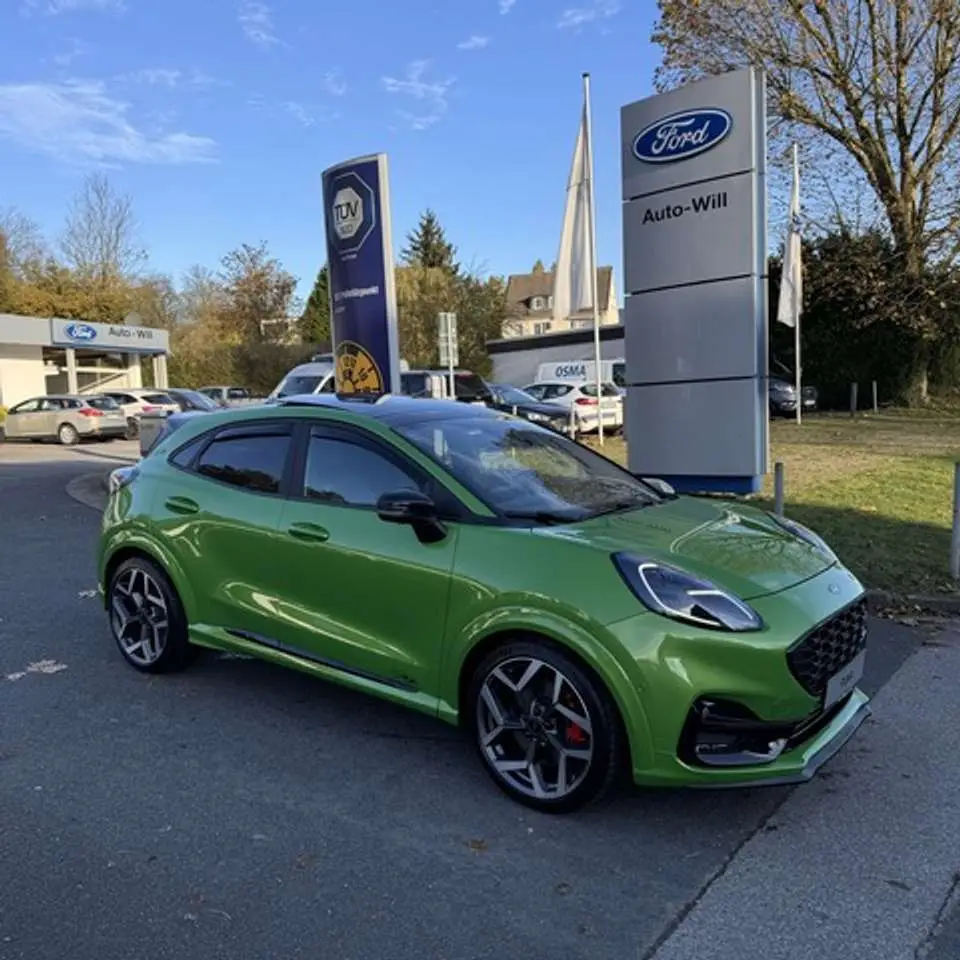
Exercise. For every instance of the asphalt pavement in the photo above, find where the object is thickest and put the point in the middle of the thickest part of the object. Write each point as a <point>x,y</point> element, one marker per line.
<point>242,811</point>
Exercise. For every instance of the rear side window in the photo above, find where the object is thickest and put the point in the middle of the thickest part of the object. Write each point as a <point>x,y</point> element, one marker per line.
<point>237,393</point>
<point>103,403</point>
<point>157,398</point>
<point>555,390</point>
<point>253,461</point>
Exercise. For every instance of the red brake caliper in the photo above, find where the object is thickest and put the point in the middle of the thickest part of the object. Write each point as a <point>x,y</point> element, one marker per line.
<point>575,734</point>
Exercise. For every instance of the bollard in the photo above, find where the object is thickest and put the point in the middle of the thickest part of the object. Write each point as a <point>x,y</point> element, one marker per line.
<point>573,423</point>
<point>876,406</point>
<point>854,388</point>
<point>778,488</point>
<point>955,539</point>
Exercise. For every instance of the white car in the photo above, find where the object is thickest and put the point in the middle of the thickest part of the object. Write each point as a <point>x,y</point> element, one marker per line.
<point>139,401</point>
<point>581,396</point>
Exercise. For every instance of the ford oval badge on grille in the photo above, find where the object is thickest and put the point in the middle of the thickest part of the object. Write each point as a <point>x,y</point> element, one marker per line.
<point>682,135</point>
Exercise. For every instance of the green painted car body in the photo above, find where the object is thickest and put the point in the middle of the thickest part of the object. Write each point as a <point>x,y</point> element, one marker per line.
<point>373,606</point>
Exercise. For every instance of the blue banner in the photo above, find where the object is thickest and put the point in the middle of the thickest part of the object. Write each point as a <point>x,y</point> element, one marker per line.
<point>363,301</point>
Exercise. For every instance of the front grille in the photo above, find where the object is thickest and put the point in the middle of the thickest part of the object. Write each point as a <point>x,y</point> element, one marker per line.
<point>815,658</point>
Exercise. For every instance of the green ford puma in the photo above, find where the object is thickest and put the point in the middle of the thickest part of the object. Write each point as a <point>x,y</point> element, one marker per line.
<point>576,621</point>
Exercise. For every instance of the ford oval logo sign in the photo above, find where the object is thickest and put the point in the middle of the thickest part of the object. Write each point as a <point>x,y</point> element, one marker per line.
<point>82,332</point>
<point>682,135</point>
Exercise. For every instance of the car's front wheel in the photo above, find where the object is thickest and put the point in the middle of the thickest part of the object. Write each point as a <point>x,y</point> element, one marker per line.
<point>147,618</point>
<point>546,729</point>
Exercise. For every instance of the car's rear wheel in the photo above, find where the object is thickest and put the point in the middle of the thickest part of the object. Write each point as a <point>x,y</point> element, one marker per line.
<point>67,434</point>
<point>546,729</point>
<point>147,618</point>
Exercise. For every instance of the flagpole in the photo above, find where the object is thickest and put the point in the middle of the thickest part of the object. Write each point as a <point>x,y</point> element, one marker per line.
<point>592,232</point>
<point>799,307</point>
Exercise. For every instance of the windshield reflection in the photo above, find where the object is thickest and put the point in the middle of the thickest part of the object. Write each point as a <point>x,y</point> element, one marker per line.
<point>523,471</point>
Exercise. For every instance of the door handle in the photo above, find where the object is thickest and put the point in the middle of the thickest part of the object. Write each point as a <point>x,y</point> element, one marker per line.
<point>309,533</point>
<point>182,505</point>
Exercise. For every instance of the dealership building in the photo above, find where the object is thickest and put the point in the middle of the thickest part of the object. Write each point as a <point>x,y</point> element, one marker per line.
<point>52,355</point>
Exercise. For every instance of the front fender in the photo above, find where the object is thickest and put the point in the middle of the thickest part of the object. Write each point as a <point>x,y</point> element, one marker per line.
<point>595,646</point>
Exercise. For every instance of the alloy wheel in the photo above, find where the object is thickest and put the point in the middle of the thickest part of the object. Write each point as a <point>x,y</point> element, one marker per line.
<point>139,616</point>
<point>534,728</point>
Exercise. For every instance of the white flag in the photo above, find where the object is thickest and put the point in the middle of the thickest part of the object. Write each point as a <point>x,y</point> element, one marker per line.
<point>791,281</point>
<point>572,282</point>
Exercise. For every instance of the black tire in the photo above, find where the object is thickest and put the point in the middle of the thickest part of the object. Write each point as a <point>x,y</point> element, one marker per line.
<point>177,651</point>
<point>68,435</point>
<point>607,737</point>
<point>133,429</point>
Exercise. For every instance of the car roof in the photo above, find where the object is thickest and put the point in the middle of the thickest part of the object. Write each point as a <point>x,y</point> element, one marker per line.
<point>314,369</point>
<point>390,408</point>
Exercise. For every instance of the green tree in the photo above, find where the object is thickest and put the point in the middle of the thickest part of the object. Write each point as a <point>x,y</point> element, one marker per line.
<point>538,267</point>
<point>427,246</point>
<point>7,279</point>
<point>314,324</point>
<point>874,84</point>
<point>258,295</point>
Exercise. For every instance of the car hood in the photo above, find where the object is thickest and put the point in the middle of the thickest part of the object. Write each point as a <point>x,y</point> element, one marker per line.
<point>739,548</point>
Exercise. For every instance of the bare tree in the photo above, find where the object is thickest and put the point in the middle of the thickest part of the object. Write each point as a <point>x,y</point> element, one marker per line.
<point>872,81</point>
<point>100,239</point>
<point>24,240</point>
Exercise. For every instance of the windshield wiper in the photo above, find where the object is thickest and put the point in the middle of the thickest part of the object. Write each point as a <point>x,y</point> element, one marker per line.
<point>621,506</point>
<point>540,516</point>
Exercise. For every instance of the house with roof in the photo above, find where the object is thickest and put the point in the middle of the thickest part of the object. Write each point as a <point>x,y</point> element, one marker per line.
<point>530,305</point>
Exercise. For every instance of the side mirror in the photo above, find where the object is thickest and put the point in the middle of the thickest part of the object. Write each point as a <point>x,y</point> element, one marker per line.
<point>415,509</point>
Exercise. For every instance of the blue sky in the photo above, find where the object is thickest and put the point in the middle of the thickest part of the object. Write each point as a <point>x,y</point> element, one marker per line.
<point>218,116</point>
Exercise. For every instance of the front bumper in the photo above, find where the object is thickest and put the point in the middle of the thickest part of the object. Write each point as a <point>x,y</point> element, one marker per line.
<point>765,726</point>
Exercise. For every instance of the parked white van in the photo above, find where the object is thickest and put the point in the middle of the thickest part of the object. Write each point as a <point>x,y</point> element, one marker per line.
<point>613,371</point>
<point>305,378</point>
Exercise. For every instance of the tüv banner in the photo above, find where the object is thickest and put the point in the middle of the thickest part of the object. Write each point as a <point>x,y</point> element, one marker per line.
<point>363,299</point>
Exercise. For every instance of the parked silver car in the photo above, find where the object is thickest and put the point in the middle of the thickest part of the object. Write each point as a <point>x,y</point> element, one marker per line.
<point>66,418</point>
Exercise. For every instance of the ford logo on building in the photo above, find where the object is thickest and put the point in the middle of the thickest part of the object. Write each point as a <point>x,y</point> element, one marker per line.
<point>81,332</point>
<point>682,135</point>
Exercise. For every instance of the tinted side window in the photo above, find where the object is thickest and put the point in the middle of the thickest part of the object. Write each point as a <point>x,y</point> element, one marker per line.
<point>184,456</point>
<point>348,474</point>
<point>329,385</point>
<point>252,461</point>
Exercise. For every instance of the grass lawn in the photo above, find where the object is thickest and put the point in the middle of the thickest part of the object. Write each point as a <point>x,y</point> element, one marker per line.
<point>878,488</point>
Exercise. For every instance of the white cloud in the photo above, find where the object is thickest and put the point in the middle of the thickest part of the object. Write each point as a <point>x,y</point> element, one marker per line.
<point>433,94</point>
<point>576,17</point>
<point>79,122</point>
<point>473,43</point>
<point>299,113</point>
<point>54,7</point>
<point>256,21</point>
<point>75,48</point>
<point>333,84</point>
<point>506,6</point>
<point>157,77</point>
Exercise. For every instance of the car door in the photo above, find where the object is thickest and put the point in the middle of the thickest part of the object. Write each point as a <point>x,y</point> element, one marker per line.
<point>49,416</point>
<point>357,592</point>
<point>218,511</point>
<point>23,420</point>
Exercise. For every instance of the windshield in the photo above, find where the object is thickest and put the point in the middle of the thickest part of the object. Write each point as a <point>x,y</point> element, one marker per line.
<point>513,395</point>
<point>523,471</point>
<point>470,386</point>
<point>293,386</point>
<point>195,400</point>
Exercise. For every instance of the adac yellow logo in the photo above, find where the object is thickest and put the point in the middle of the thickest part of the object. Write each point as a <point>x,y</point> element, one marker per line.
<point>356,370</point>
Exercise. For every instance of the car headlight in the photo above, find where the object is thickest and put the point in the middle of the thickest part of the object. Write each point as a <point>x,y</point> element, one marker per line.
<point>805,534</point>
<point>537,417</point>
<point>681,596</point>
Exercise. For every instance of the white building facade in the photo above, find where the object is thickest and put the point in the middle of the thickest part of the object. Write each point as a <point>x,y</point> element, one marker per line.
<point>52,355</point>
